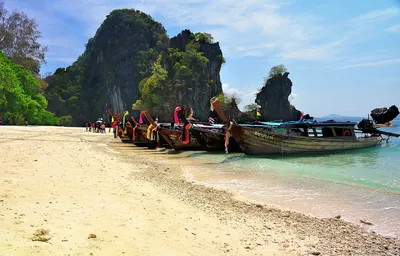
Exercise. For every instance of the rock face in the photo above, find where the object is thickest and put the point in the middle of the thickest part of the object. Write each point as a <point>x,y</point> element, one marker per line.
<point>198,93</point>
<point>118,58</point>
<point>384,115</point>
<point>273,99</point>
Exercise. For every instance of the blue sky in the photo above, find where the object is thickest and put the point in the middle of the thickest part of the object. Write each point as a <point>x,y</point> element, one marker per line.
<point>343,56</point>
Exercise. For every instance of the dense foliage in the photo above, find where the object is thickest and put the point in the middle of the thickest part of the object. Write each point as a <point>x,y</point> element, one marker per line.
<point>164,89</point>
<point>20,97</point>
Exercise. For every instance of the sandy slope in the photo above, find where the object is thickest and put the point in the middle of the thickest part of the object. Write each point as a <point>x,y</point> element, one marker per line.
<point>75,183</point>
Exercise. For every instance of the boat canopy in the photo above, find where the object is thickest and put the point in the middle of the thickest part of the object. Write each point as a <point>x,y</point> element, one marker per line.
<point>308,123</point>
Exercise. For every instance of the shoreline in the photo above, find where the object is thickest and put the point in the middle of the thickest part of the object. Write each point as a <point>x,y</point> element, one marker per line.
<point>321,198</point>
<point>130,177</point>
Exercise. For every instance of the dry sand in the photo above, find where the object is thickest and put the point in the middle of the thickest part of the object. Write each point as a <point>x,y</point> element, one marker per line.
<point>67,192</point>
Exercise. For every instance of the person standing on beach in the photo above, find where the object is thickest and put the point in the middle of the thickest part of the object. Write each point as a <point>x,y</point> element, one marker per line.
<point>86,124</point>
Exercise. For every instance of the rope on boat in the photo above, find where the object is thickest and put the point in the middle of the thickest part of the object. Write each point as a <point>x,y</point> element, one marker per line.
<point>153,131</point>
<point>227,136</point>
<point>133,132</point>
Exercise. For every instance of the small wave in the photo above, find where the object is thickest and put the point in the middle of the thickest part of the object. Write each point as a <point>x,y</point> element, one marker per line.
<point>231,159</point>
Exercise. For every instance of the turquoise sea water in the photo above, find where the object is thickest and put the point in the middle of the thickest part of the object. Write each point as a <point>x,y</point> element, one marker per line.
<point>362,184</point>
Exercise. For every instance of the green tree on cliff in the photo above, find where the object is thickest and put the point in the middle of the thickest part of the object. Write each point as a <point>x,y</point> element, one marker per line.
<point>229,100</point>
<point>276,71</point>
<point>163,89</point>
<point>205,37</point>
<point>250,107</point>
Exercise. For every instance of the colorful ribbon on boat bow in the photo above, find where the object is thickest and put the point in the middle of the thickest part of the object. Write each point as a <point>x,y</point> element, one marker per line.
<point>227,136</point>
<point>149,129</point>
<point>141,117</point>
<point>123,119</point>
<point>185,135</point>
<point>176,118</point>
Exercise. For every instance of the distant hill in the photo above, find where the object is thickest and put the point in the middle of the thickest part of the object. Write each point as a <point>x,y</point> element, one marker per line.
<point>345,118</point>
<point>340,118</point>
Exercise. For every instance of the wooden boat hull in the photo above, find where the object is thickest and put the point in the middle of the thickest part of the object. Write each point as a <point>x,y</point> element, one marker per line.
<point>125,139</point>
<point>213,141</point>
<point>140,137</point>
<point>174,139</point>
<point>256,141</point>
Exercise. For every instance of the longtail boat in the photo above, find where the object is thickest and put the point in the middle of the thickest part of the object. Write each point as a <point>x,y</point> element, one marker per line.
<point>119,129</point>
<point>211,137</point>
<point>298,137</point>
<point>178,137</point>
<point>144,134</point>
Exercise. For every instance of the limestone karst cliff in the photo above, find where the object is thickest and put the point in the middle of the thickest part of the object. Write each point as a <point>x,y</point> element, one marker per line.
<point>273,99</point>
<point>192,65</point>
<point>131,60</point>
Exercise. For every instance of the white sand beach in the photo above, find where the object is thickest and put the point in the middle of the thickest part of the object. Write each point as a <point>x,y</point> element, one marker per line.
<point>90,194</point>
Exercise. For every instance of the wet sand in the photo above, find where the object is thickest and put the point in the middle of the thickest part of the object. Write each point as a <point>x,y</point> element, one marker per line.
<point>94,195</point>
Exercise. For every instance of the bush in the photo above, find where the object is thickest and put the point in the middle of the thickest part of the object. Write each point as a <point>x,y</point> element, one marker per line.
<point>66,120</point>
<point>276,71</point>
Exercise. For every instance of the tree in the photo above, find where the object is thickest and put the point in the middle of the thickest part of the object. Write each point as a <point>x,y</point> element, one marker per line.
<point>250,107</point>
<point>276,71</point>
<point>204,37</point>
<point>66,120</point>
<point>20,98</point>
<point>19,37</point>
<point>229,100</point>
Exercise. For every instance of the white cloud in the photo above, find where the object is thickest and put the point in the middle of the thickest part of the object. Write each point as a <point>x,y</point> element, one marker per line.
<point>373,63</point>
<point>257,28</point>
<point>378,14</point>
<point>393,29</point>
<point>292,97</point>
<point>228,90</point>
<point>245,96</point>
